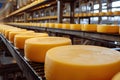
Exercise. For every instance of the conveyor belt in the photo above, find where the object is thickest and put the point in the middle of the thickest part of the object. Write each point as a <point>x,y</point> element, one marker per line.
<point>32,71</point>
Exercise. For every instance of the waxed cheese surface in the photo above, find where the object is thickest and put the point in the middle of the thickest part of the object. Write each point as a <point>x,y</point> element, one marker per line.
<point>85,55</point>
<point>81,62</point>
<point>36,48</point>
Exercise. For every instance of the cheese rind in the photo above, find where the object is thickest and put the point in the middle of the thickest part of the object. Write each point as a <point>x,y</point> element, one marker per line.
<point>36,48</point>
<point>81,62</point>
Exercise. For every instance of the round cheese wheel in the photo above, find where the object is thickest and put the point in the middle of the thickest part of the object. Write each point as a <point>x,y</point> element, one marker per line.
<point>109,13</point>
<point>51,25</point>
<point>116,13</point>
<point>84,14</point>
<point>36,48</point>
<point>90,14</point>
<point>107,28</point>
<point>119,29</point>
<point>95,14</point>
<point>81,62</point>
<point>46,24</point>
<point>65,26</point>
<point>9,30</point>
<point>81,15</point>
<point>58,25</point>
<point>13,33</point>
<point>89,27</point>
<point>102,13</point>
<point>117,76</point>
<point>19,39</point>
<point>75,26</point>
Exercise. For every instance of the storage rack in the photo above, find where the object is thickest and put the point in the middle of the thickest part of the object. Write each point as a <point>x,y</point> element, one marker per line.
<point>93,36</point>
<point>35,71</point>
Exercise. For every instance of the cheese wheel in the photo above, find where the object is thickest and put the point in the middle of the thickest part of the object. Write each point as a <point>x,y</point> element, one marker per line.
<point>107,28</point>
<point>116,13</point>
<point>89,27</point>
<point>75,26</point>
<point>13,33</point>
<point>95,14</point>
<point>90,14</point>
<point>19,39</point>
<point>84,14</point>
<point>116,77</point>
<point>109,13</point>
<point>81,15</point>
<point>102,13</point>
<point>36,48</point>
<point>119,29</point>
<point>46,24</point>
<point>9,30</point>
<point>51,25</point>
<point>81,62</point>
<point>76,15</point>
<point>65,26</point>
<point>58,25</point>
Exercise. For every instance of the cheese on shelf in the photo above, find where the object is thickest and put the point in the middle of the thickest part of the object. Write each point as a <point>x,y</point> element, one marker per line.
<point>36,48</point>
<point>116,13</point>
<point>81,62</point>
<point>109,13</point>
<point>51,25</point>
<point>13,33</point>
<point>58,25</point>
<point>119,29</point>
<point>116,77</point>
<point>107,28</point>
<point>19,39</point>
<point>89,27</point>
<point>75,26</point>
<point>65,26</point>
<point>9,30</point>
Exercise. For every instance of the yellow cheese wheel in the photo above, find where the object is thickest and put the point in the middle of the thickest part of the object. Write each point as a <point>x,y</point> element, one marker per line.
<point>119,29</point>
<point>13,33</point>
<point>90,14</point>
<point>84,14</point>
<point>116,13</point>
<point>36,48</point>
<point>89,27</point>
<point>46,24</point>
<point>76,15</point>
<point>116,77</point>
<point>102,13</point>
<point>81,15</point>
<point>19,40</point>
<point>95,14</point>
<point>51,25</point>
<point>58,25</point>
<point>109,13</point>
<point>75,26</point>
<point>65,26</point>
<point>9,30</point>
<point>81,62</point>
<point>107,28</point>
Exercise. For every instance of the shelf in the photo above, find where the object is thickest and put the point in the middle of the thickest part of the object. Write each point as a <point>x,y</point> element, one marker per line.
<point>27,7</point>
<point>77,15</point>
<point>44,18</point>
<point>80,34</point>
